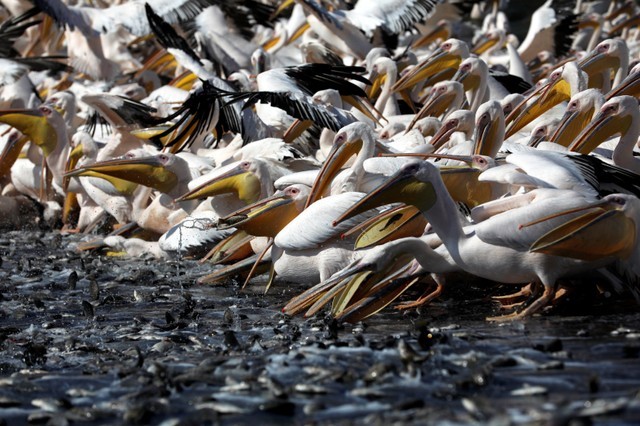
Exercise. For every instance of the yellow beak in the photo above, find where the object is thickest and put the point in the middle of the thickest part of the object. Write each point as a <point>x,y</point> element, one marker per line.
<point>237,180</point>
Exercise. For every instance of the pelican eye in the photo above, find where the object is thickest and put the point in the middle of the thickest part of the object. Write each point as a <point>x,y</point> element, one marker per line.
<point>245,165</point>
<point>45,110</point>
<point>446,46</point>
<point>618,200</point>
<point>163,158</point>
<point>572,106</point>
<point>603,48</point>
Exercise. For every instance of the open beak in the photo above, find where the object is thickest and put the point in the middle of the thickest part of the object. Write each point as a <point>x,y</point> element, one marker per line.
<point>602,231</point>
<point>601,128</point>
<point>398,222</point>
<point>338,156</point>
<point>152,132</point>
<point>74,156</point>
<point>237,180</point>
<point>402,187</point>
<point>146,171</point>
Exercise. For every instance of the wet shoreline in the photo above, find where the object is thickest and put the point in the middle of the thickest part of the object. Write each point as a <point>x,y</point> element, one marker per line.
<point>137,341</point>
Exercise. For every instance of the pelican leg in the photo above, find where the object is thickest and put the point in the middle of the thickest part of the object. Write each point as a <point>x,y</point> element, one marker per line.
<point>545,298</point>
<point>426,297</point>
<point>514,298</point>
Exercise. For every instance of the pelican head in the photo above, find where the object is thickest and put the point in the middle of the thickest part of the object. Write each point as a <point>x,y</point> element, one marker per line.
<point>489,129</point>
<point>580,110</point>
<point>609,54</point>
<point>412,184</point>
<point>616,116</point>
<point>489,41</point>
<point>444,97</point>
<point>239,178</point>
<point>349,141</point>
<point>470,73</point>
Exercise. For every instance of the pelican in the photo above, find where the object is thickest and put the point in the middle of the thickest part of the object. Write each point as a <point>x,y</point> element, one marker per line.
<point>492,242</point>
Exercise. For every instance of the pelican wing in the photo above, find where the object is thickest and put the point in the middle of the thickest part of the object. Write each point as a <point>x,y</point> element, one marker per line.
<point>12,29</point>
<point>166,35</point>
<point>131,15</point>
<point>298,106</point>
<point>64,15</point>
<point>313,226</point>
<point>120,111</point>
<point>312,78</point>
<point>512,83</point>
<point>507,229</point>
<point>395,16</point>
<point>607,178</point>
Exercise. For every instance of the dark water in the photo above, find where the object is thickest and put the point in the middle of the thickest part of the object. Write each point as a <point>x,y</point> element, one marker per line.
<point>136,341</point>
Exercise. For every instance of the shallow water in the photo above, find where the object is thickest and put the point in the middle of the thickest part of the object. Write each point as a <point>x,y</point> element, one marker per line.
<point>138,341</point>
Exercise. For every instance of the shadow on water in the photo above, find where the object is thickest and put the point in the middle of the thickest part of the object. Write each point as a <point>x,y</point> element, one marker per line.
<point>90,339</point>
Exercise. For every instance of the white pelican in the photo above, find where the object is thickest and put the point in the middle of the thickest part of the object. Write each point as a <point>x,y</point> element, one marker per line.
<point>494,249</point>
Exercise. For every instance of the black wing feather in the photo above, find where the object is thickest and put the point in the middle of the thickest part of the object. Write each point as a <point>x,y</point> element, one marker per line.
<point>166,35</point>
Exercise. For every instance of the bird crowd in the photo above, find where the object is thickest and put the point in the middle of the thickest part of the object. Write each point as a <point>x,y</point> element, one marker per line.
<point>360,147</point>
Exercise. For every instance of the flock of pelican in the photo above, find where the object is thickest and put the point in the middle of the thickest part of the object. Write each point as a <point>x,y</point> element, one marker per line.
<point>360,147</point>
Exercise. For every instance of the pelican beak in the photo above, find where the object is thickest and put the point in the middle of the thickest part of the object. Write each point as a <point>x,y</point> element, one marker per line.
<point>440,32</point>
<point>633,21</point>
<point>159,62</point>
<point>153,132</point>
<point>540,101</point>
<point>377,80</point>
<point>34,124</point>
<point>484,43</point>
<point>269,44</point>
<point>439,61</point>
<point>442,136</point>
<point>232,249</point>
<point>184,81</point>
<point>572,123</point>
<point>629,86</point>
<point>338,156</point>
<point>399,222</point>
<point>400,187</point>
<point>283,6</point>
<point>596,63</point>
<point>296,129</point>
<point>11,152</point>
<point>468,81</point>
<point>602,231</point>
<point>604,126</point>
<point>74,156</point>
<point>146,171</point>
<point>238,180</point>
<point>464,186</point>
<point>299,32</point>
<point>488,138</point>
<point>364,106</point>
<point>264,218</point>
<point>436,105</point>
